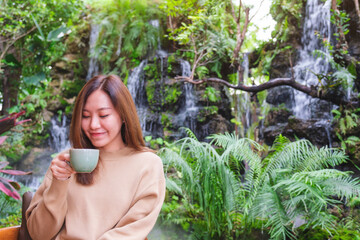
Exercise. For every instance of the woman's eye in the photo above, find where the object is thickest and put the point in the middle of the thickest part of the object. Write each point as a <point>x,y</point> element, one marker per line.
<point>85,116</point>
<point>104,116</point>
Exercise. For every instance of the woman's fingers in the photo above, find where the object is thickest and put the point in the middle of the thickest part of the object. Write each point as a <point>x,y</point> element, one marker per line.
<point>60,166</point>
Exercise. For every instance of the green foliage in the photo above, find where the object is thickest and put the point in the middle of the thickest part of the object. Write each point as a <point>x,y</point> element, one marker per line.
<point>205,182</point>
<point>172,94</point>
<point>266,57</point>
<point>126,33</point>
<point>11,220</point>
<point>206,31</point>
<point>156,143</point>
<point>211,94</point>
<point>347,120</point>
<point>35,31</point>
<point>294,180</point>
<point>344,73</point>
<point>10,209</point>
<point>284,12</point>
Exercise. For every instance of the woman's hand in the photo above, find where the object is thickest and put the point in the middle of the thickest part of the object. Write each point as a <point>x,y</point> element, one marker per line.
<point>60,167</point>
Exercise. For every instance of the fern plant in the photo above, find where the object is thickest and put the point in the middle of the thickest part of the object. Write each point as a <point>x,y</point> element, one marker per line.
<point>347,121</point>
<point>206,182</point>
<point>293,185</point>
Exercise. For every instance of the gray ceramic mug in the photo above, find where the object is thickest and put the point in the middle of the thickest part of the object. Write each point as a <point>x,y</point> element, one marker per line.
<point>84,160</point>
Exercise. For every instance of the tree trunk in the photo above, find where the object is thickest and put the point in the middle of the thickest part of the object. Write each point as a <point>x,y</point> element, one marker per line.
<point>10,86</point>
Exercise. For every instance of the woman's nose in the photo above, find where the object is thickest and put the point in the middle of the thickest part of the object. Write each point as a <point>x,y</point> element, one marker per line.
<point>95,123</point>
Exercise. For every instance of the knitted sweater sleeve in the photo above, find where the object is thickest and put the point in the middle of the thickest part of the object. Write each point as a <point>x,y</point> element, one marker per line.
<point>46,213</point>
<point>146,205</point>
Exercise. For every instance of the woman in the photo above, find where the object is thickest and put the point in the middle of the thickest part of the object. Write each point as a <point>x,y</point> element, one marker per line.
<point>122,197</point>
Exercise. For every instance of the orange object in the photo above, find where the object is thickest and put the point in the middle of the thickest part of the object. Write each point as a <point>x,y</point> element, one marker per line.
<point>9,233</point>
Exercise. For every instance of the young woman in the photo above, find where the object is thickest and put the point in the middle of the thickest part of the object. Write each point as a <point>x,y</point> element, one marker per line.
<point>122,197</point>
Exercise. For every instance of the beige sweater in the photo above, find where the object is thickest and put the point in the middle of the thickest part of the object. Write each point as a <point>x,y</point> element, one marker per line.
<point>123,203</point>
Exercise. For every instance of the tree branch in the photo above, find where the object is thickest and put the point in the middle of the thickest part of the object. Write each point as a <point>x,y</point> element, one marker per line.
<point>240,35</point>
<point>11,42</point>
<point>276,82</point>
<point>357,8</point>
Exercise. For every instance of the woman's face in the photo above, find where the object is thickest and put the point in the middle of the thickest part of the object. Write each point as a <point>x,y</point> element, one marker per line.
<point>101,123</point>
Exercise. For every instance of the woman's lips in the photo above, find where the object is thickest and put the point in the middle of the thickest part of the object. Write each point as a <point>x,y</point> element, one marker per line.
<point>94,135</point>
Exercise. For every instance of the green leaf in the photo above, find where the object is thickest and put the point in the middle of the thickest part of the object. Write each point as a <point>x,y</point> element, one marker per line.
<point>148,138</point>
<point>337,113</point>
<point>38,27</point>
<point>35,79</point>
<point>57,34</point>
<point>30,107</point>
<point>160,141</point>
<point>202,71</point>
<point>43,103</point>
<point>11,61</point>
<point>350,123</point>
<point>342,125</point>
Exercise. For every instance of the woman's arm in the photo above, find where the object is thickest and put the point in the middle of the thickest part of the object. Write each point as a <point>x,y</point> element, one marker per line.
<point>46,213</point>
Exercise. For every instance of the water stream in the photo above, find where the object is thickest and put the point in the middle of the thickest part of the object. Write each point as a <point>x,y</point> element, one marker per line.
<point>242,102</point>
<point>315,28</point>
<point>188,112</point>
<point>93,63</point>
<point>136,86</point>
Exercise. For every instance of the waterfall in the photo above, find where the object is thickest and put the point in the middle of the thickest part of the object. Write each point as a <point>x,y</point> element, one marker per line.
<point>316,26</point>
<point>93,63</point>
<point>247,102</point>
<point>38,160</point>
<point>156,24</point>
<point>188,114</point>
<point>59,132</point>
<point>136,86</point>
<point>159,52</point>
<point>242,103</point>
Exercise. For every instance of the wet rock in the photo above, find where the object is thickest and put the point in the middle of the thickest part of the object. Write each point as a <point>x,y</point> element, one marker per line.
<point>318,132</point>
<point>47,115</point>
<point>217,124</point>
<point>281,95</point>
<point>278,115</point>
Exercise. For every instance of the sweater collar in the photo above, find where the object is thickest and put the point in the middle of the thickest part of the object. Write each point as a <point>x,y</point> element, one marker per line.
<point>114,155</point>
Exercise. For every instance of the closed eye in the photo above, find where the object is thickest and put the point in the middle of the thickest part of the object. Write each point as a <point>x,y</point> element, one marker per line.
<point>85,116</point>
<point>104,116</point>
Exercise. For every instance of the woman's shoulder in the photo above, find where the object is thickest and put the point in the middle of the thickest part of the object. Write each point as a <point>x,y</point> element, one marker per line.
<point>148,155</point>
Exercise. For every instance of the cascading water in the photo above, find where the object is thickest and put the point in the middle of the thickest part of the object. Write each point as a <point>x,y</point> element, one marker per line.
<point>188,114</point>
<point>93,63</point>
<point>242,103</point>
<point>316,27</point>
<point>59,132</point>
<point>38,160</point>
<point>159,52</point>
<point>136,86</point>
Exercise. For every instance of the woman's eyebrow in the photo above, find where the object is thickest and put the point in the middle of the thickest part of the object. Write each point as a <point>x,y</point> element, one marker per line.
<point>103,108</point>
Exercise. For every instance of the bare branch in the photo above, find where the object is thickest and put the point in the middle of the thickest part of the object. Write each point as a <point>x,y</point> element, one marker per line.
<point>357,8</point>
<point>232,9</point>
<point>276,82</point>
<point>240,35</point>
<point>12,41</point>
<point>256,11</point>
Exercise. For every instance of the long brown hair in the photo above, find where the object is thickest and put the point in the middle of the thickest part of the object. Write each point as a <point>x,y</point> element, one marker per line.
<point>124,105</point>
